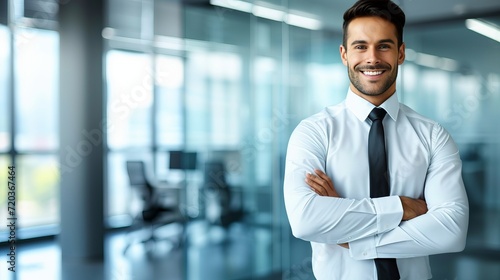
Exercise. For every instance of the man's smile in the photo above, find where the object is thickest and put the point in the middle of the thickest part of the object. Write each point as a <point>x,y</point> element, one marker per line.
<point>372,72</point>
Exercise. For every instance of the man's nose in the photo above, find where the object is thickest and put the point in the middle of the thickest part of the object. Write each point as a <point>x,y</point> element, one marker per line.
<point>372,56</point>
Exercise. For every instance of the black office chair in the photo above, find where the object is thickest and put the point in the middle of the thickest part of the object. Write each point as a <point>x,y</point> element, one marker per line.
<point>218,196</point>
<point>160,207</point>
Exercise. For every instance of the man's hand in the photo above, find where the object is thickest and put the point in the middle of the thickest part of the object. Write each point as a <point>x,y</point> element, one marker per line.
<point>321,184</point>
<point>412,207</point>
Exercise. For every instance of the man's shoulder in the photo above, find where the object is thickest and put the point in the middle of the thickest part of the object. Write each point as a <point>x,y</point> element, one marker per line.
<point>327,113</point>
<point>423,124</point>
<point>319,125</point>
<point>415,116</point>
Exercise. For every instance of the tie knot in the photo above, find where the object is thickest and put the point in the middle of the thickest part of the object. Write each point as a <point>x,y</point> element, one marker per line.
<point>377,114</point>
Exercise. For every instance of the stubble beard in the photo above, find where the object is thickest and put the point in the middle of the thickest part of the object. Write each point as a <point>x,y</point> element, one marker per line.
<point>354,77</point>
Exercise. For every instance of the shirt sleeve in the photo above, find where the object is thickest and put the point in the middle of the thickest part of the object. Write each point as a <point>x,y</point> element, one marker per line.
<point>443,229</point>
<point>328,219</point>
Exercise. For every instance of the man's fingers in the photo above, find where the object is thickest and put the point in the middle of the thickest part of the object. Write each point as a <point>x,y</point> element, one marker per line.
<point>318,181</point>
<point>325,177</point>
<point>316,184</point>
<point>319,185</point>
<point>320,173</point>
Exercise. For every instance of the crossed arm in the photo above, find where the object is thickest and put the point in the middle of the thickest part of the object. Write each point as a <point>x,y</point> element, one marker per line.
<point>321,184</point>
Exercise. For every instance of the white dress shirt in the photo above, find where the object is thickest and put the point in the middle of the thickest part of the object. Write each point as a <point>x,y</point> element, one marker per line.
<point>423,162</point>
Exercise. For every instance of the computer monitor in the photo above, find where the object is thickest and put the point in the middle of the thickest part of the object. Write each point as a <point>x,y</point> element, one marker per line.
<point>182,160</point>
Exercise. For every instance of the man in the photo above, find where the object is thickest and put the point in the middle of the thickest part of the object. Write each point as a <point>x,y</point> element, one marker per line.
<point>331,179</point>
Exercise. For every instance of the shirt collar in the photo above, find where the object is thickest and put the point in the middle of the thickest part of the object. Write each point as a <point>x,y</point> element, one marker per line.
<point>361,108</point>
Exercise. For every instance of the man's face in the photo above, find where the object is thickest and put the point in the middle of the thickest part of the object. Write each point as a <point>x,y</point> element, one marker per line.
<point>372,57</point>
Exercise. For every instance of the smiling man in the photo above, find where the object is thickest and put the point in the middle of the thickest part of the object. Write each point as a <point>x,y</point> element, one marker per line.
<point>372,53</point>
<point>374,186</point>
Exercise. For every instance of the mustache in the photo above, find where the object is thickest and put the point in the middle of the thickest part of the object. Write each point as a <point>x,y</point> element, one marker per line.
<point>372,67</point>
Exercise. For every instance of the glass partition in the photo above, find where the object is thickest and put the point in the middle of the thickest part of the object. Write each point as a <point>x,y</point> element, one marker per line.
<point>169,81</point>
<point>29,116</point>
<point>37,191</point>
<point>130,98</point>
<point>36,76</point>
<point>5,58</point>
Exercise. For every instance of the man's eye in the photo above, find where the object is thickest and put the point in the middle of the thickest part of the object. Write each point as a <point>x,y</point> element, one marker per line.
<point>384,47</point>
<point>359,47</point>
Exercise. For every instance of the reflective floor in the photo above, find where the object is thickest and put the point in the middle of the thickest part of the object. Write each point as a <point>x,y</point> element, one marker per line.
<point>241,253</point>
<point>213,253</point>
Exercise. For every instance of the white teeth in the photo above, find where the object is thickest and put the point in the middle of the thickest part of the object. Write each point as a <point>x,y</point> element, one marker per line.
<point>372,73</point>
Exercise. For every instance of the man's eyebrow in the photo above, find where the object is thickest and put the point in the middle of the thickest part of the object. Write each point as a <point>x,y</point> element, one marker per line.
<point>387,41</point>
<point>357,42</point>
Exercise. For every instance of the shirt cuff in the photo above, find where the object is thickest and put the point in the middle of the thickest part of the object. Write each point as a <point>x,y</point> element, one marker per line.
<point>389,212</point>
<point>363,249</point>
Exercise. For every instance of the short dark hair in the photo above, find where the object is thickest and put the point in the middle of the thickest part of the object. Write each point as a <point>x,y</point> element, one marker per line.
<point>385,9</point>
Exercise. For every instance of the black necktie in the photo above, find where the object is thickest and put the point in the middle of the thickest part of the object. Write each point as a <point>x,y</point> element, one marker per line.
<point>387,269</point>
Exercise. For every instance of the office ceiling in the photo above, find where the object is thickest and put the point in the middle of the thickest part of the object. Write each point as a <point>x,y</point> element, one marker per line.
<point>328,11</point>
<point>417,11</point>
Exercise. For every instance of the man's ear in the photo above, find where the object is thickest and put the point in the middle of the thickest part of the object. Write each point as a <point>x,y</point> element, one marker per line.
<point>401,54</point>
<point>343,54</point>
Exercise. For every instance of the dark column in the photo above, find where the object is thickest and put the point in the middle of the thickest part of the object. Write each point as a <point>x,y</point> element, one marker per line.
<point>81,134</point>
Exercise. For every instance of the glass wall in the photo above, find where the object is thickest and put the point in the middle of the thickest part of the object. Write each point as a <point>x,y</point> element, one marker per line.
<point>5,58</point>
<point>36,78</point>
<point>130,98</point>
<point>5,133</point>
<point>28,126</point>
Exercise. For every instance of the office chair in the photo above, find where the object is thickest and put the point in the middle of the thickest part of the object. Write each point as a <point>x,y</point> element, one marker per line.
<point>219,198</point>
<point>155,212</point>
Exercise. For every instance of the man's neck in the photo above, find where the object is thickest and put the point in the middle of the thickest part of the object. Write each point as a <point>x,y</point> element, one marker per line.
<point>376,100</point>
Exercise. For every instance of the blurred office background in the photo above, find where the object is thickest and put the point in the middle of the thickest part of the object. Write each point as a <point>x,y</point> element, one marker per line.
<point>86,86</point>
